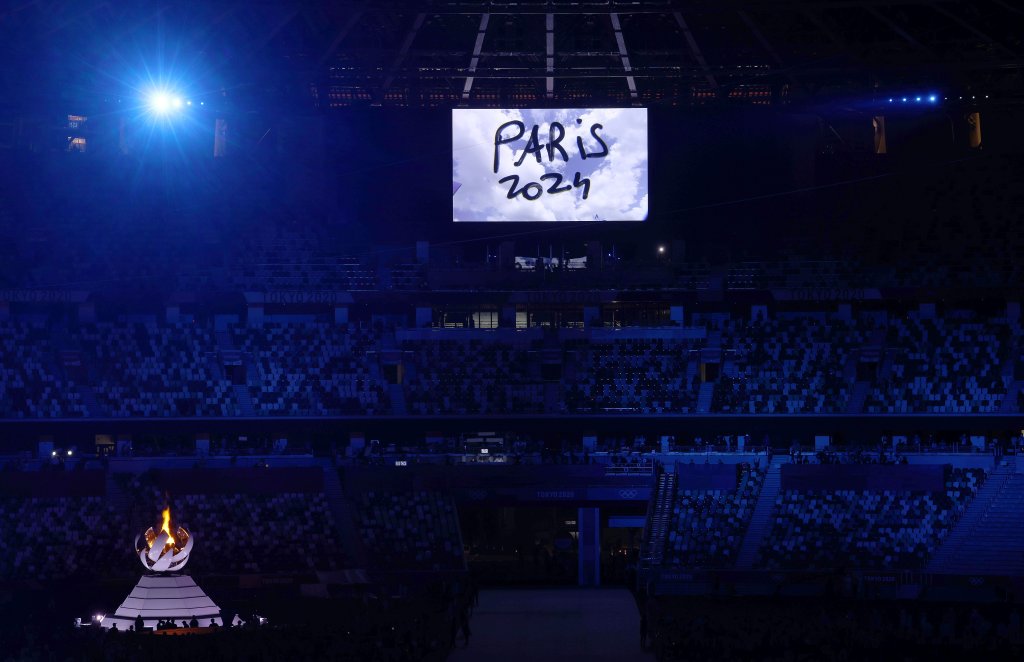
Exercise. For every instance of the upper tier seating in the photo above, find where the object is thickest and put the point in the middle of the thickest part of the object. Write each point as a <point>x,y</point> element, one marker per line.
<point>632,375</point>
<point>30,385</point>
<point>810,364</point>
<point>317,369</point>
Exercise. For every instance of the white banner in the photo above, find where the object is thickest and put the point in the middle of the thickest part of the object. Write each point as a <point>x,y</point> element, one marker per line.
<point>549,165</point>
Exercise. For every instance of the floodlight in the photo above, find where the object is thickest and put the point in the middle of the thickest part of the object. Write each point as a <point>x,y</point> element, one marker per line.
<point>160,103</point>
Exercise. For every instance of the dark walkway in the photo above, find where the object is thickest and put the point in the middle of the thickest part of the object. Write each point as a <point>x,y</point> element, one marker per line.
<point>567,625</point>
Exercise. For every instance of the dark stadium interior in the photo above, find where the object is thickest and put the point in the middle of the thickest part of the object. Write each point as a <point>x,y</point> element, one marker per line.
<point>713,351</point>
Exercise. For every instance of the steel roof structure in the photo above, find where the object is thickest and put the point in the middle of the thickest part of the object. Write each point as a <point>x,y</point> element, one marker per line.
<point>527,52</point>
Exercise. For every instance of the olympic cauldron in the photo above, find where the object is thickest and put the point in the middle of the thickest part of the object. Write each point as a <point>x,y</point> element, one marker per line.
<point>164,593</point>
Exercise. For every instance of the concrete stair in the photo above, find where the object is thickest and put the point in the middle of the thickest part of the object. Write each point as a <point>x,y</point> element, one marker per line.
<point>692,365</point>
<point>343,514</point>
<point>244,400</point>
<point>989,538</point>
<point>1009,404</point>
<point>121,502</point>
<point>89,401</point>
<point>660,518</point>
<point>224,341</point>
<point>761,519</point>
<point>554,396</point>
<point>704,397</point>
<point>858,396</point>
<point>397,397</point>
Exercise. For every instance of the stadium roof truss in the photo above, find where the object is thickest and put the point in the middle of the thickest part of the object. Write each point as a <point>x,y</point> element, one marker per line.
<point>505,53</point>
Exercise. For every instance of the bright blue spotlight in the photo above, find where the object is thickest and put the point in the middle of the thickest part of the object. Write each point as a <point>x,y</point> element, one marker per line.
<point>933,98</point>
<point>890,99</point>
<point>917,99</point>
<point>163,103</point>
<point>904,99</point>
<point>160,103</point>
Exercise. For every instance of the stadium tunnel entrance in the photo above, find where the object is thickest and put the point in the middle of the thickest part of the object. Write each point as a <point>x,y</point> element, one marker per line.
<point>564,544</point>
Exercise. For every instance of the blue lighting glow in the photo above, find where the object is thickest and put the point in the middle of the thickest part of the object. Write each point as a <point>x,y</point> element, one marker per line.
<point>163,103</point>
<point>933,99</point>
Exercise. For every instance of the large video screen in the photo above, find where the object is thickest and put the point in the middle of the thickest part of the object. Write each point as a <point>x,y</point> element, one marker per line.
<point>549,165</point>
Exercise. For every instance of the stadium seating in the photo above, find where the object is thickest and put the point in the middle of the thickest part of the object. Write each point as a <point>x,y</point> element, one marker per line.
<point>247,533</point>
<point>632,376</point>
<point>959,362</point>
<point>887,529</point>
<point>304,369</point>
<point>944,366</point>
<point>789,366</point>
<point>410,530</point>
<point>59,538</point>
<point>471,377</point>
<point>153,370</point>
<point>708,525</point>
<point>30,385</point>
<point>261,533</point>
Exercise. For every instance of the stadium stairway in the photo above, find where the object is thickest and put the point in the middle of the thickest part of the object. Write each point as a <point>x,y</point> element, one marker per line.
<point>704,397</point>
<point>120,501</point>
<point>692,365</point>
<point>244,400</point>
<point>554,397</point>
<point>224,342</point>
<point>1009,404</point>
<point>214,365</point>
<point>341,511</point>
<point>858,396</point>
<point>89,401</point>
<point>850,368</point>
<point>761,518</point>
<point>660,517</point>
<point>989,538</point>
<point>397,396</point>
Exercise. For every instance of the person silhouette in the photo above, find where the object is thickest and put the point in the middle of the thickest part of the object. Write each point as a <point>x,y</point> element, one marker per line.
<point>194,623</point>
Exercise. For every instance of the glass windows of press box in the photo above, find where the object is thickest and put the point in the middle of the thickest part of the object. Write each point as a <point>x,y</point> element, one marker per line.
<point>636,314</point>
<point>553,316</point>
<point>463,319</point>
<point>485,319</point>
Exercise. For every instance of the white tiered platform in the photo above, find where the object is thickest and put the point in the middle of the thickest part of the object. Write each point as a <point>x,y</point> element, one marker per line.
<point>165,597</point>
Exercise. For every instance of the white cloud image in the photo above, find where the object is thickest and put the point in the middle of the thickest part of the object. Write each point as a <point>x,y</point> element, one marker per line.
<point>618,181</point>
